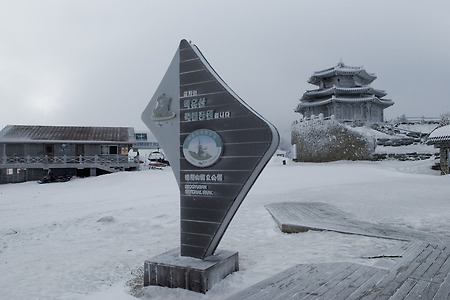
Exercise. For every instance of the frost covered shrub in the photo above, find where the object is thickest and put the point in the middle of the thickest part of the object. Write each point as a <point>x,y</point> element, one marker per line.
<point>445,119</point>
<point>321,140</point>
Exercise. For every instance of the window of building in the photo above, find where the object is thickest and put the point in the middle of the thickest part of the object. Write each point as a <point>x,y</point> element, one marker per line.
<point>110,149</point>
<point>9,171</point>
<point>113,150</point>
<point>141,136</point>
<point>104,150</point>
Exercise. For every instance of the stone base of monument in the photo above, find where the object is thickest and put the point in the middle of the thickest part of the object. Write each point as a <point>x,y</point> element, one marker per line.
<point>199,275</point>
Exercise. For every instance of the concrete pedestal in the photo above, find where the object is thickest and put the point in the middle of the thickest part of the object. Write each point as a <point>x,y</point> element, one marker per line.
<point>172,270</point>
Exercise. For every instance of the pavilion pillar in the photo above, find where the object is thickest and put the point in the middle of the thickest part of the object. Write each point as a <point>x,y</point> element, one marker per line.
<point>444,153</point>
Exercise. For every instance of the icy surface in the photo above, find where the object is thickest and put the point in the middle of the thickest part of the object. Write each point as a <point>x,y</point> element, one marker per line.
<point>85,239</point>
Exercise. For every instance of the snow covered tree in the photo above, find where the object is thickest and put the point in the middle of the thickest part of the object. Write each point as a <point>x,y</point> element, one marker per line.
<point>319,140</point>
<point>401,119</point>
<point>445,119</point>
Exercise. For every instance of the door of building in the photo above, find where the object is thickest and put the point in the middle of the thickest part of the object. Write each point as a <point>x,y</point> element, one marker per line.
<point>79,150</point>
<point>49,150</point>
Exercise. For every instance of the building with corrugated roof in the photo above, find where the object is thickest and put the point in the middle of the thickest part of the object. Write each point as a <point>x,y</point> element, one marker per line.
<point>345,93</point>
<point>29,152</point>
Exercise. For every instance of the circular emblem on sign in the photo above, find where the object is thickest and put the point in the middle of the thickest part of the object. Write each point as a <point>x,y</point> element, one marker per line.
<point>202,148</point>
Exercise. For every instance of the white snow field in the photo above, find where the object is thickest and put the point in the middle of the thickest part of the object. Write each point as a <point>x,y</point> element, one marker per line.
<point>88,238</point>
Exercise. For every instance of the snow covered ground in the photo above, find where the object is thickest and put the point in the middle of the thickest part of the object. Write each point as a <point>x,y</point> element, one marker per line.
<point>88,238</point>
<point>417,148</point>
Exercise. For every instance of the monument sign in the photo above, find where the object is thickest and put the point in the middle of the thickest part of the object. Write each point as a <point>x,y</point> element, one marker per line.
<point>216,144</point>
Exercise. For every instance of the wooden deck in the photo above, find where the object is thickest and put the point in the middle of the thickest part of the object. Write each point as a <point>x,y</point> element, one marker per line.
<point>416,269</point>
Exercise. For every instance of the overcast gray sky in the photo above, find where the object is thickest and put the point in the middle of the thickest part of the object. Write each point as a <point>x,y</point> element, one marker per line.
<point>98,63</point>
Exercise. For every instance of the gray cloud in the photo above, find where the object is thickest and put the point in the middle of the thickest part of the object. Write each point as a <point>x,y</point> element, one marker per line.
<point>99,62</point>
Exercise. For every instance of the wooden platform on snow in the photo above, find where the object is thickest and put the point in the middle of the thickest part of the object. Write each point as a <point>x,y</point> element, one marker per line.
<point>419,268</point>
<point>294,217</point>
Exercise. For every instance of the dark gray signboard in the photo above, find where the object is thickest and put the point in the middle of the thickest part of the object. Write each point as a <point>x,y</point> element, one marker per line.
<point>216,144</point>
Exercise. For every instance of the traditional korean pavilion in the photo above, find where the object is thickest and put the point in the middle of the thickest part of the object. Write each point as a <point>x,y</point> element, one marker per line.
<point>345,93</point>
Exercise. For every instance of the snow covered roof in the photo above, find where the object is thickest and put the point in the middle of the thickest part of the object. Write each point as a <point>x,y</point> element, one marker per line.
<point>77,134</point>
<point>440,135</point>
<point>342,69</point>
<point>372,99</point>
<point>341,90</point>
